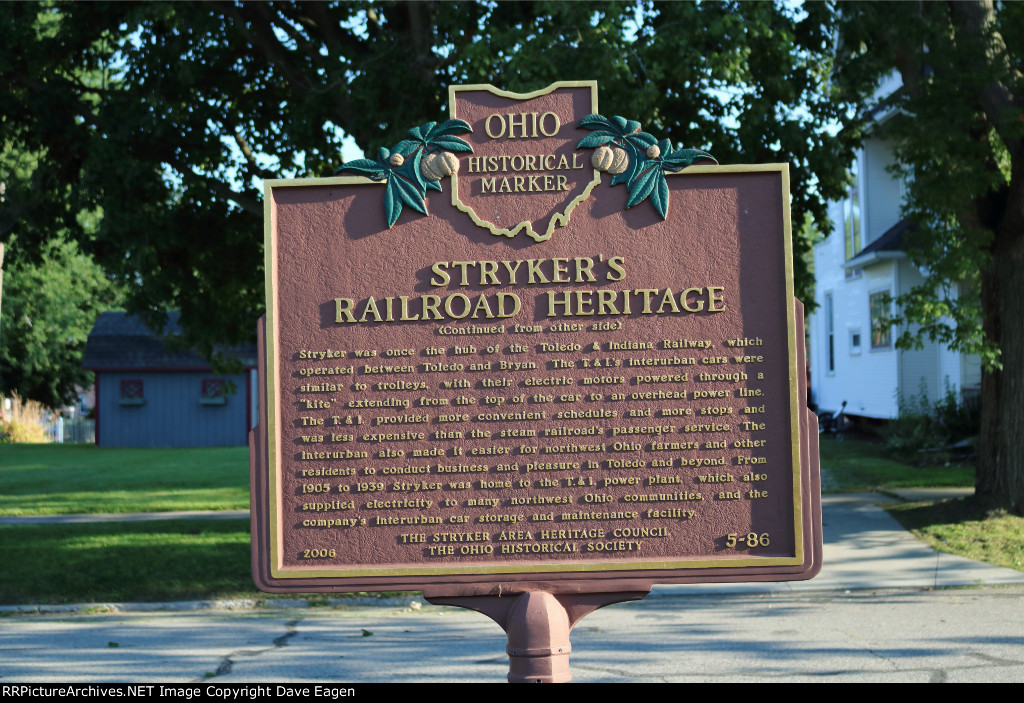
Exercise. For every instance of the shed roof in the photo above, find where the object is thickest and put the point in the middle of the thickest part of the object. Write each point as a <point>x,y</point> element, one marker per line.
<point>122,341</point>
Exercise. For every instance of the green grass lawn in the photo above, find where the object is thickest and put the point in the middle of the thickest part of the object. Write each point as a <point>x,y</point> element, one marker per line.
<point>959,526</point>
<point>53,479</point>
<point>858,465</point>
<point>125,561</point>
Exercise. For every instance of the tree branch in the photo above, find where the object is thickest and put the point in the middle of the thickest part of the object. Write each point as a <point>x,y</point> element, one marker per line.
<point>223,190</point>
<point>250,158</point>
<point>76,82</point>
<point>262,38</point>
<point>977,20</point>
<point>278,20</point>
<point>220,189</point>
<point>315,18</point>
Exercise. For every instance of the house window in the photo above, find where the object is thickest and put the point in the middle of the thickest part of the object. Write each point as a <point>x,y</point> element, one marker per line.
<point>851,217</point>
<point>830,334</point>
<point>132,392</point>
<point>213,392</point>
<point>881,327</point>
<point>855,337</point>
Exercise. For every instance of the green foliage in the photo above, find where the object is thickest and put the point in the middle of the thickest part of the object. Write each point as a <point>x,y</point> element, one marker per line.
<point>957,136</point>
<point>165,116</point>
<point>49,307</point>
<point>923,425</point>
<point>957,130</point>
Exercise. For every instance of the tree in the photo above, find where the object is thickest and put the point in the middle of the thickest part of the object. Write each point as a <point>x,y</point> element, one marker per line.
<point>165,116</point>
<point>52,294</point>
<point>959,142</point>
<point>48,310</point>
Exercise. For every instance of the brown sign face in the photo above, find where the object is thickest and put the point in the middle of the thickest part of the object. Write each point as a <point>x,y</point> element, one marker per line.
<point>531,384</point>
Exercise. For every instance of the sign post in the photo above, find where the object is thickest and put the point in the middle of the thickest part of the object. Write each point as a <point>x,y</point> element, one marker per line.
<point>492,374</point>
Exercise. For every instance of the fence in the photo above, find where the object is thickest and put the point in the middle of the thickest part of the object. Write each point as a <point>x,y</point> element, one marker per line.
<point>79,430</point>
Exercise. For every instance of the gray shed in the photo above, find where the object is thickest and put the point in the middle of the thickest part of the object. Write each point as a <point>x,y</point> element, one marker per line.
<point>149,394</point>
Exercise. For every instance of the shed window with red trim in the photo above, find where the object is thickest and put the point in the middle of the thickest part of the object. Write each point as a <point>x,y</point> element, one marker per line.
<point>132,391</point>
<point>214,391</point>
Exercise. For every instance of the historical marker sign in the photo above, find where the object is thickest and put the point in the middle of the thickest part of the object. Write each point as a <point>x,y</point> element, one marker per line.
<point>547,378</point>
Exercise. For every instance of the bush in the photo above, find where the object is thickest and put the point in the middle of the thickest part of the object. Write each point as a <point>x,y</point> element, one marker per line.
<point>959,417</point>
<point>25,422</point>
<point>926,427</point>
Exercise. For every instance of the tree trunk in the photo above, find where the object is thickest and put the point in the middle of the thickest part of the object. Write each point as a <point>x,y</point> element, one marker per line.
<point>1000,477</point>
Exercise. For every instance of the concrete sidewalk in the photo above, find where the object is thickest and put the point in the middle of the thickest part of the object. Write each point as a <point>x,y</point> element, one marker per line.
<point>908,636</point>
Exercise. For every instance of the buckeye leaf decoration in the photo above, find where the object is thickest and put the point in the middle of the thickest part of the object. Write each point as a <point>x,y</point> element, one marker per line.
<point>643,161</point>
<point>402,167</point>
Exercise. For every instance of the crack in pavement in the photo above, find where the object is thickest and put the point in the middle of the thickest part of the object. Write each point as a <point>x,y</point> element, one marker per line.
<point>283,639</point>
<point>888,660</point>
<point>228,661</point>
<point>995,660</point>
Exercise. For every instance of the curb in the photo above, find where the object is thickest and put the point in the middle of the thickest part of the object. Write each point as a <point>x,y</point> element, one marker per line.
<point>413,602</point>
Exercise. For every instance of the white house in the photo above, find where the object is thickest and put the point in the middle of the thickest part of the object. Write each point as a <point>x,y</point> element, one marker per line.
<point>852,351</point>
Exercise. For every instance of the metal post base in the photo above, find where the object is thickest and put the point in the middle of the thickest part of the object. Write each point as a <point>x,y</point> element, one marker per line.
<point>537,624</point>
<point>538,640</point>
